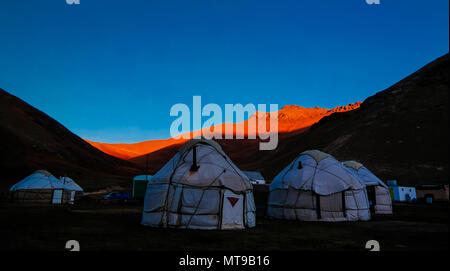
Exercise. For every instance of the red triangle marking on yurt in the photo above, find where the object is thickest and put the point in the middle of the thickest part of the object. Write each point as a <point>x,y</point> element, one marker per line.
<point>232,200</point>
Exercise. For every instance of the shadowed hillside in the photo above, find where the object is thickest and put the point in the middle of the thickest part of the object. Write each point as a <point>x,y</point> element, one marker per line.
<point>30,140</point>
<point>399,133</point>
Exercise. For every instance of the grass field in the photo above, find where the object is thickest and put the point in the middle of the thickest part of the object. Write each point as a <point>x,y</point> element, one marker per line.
<point>117,227</point>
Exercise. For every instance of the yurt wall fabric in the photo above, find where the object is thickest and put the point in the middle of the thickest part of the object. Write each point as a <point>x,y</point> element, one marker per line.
<point>76,192</point>
<point>316,187</point>
<point>383,201</point>
<point>378,192</point>
<point>46,196</point>
<point>217,195</point>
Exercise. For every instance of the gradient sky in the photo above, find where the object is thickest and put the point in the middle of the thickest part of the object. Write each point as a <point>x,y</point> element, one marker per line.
<point>111,70</point>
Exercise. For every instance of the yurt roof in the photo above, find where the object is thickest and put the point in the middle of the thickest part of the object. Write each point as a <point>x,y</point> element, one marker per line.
<point>39,179</point>
<point>319,172</point>
<point>215,168</point>
<point>43,172</point>
<point>71,184</point>
<point>353,164</point>
<point>364,174</point>
<point>188,145</point>
<point>316,154</point>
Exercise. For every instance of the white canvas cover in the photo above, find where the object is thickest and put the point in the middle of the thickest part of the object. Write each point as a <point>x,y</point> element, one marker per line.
<point>382,202</point>
<point>215,196</point>
<point>315,186</point>
<point>40,180</point>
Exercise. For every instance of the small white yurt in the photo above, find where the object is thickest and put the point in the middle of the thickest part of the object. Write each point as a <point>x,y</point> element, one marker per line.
<point>317,187</point>
<point>40,187</point>
<point>378,192</point>
<point>199,188</point>
<point>76,192</point>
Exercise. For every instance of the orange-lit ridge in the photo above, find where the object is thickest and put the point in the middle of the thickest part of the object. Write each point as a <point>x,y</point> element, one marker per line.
<point>290,118</point>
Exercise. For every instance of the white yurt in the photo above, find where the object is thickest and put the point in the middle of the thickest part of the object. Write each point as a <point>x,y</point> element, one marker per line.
<point>40,187</point>
<point>378,192</point>
<point>199,188</point>
<point>76,192</point>
<point>317,187</point>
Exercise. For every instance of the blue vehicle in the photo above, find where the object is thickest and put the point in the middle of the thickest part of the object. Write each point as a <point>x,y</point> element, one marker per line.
<point>122,196</point>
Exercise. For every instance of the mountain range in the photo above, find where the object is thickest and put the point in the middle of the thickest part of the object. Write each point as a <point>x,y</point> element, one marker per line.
<point>399,133</point>
<point>290,118</point>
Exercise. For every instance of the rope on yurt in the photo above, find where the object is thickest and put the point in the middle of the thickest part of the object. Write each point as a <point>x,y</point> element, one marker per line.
<point>344,207</point>
<point>245,211</point>
<point>291,166</point>
<point>289,169</point>
<point>231,165</point>
<point>295,205</point>
<point>166,206</point>
<point>179,217</point>
<point>219,221</point>
<point>201,198</point>
<point>367,199</point>
<point>374,188</point>
<point>284,202</point>
<point>318,208</point>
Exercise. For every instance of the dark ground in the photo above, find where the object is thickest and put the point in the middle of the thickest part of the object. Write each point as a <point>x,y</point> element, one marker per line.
<point>117,227</point>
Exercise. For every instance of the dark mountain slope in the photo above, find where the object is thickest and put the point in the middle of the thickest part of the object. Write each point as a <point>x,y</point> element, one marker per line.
<point>400,133</point>
<point>30,140</point>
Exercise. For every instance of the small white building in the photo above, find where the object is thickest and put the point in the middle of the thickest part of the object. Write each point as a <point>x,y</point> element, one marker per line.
<point>403,193</point>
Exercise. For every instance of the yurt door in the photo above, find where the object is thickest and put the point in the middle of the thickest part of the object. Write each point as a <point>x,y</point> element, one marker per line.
<point>57,195</point>
<point>233,211</point>
<point>72,196</point>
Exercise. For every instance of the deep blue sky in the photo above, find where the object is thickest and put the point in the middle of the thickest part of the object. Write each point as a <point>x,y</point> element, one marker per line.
<point>109,70</point>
